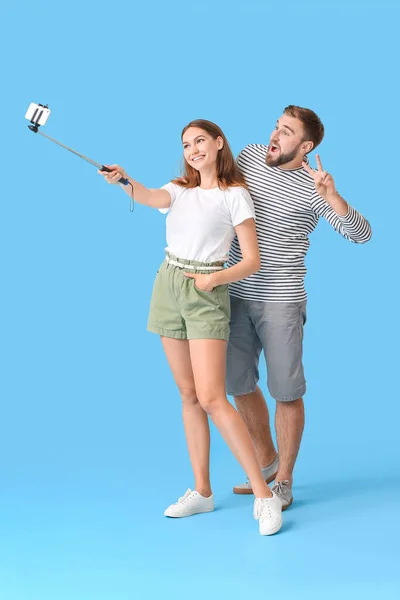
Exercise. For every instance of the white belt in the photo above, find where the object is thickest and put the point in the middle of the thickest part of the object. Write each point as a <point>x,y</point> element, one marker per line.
<point>175,263</point>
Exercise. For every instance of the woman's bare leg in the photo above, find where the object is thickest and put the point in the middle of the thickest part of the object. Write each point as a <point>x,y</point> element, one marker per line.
<point>208,360</point>
<point>195,420</point>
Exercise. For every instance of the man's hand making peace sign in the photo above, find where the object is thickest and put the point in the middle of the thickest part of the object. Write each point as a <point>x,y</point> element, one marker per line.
<point>325,187</point>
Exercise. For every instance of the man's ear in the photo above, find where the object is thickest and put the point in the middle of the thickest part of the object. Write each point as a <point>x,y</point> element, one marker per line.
<point>307,147</point>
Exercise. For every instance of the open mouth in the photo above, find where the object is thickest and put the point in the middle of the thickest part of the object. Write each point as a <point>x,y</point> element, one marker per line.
<point>273,149</point>
<point>198,158</point>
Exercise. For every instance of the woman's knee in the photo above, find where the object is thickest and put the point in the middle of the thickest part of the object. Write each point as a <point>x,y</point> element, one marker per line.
<point>188,395</point>
<point>211,401</point>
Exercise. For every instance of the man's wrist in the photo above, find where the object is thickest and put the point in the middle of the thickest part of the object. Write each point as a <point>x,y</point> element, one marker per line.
<point>332,195</point>
<point>339,205</point>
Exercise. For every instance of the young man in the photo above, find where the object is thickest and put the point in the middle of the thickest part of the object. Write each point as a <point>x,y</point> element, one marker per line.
<point>269,307</point>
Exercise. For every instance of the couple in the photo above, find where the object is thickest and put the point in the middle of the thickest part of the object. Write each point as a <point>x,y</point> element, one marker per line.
<point>214,318</point>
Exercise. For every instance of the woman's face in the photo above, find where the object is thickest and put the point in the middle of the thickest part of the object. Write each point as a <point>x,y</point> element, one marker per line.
<point>200,149</point>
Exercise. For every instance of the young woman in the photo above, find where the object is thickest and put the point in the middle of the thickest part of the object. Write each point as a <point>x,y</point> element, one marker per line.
<point>190,307</point>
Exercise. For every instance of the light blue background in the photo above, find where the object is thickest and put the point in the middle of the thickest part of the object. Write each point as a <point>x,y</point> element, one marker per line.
<point>92,447</point>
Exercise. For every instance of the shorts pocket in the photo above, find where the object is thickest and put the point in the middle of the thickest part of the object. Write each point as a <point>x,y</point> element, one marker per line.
<point>213,291</point>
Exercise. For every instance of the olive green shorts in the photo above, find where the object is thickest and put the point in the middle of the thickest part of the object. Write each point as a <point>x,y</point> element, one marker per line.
<point>179,310</point>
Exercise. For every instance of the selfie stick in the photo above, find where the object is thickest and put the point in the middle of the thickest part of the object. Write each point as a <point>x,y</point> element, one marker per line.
<point>38,115</point>
<point>35,129</point>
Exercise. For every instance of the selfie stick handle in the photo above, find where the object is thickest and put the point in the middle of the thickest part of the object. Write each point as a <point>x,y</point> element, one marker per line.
<point>123,180</point>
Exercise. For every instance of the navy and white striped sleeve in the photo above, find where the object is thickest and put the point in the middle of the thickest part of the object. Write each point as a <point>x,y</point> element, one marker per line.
<point>353,226</point>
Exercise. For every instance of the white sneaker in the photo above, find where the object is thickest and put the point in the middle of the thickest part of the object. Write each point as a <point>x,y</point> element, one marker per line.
<point>190,504</point>
<point>268,512</point>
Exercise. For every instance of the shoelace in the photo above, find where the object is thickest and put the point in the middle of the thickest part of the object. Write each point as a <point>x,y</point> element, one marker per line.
<point>262,508</point>
<point>185,496</point>
<point>281,487</point>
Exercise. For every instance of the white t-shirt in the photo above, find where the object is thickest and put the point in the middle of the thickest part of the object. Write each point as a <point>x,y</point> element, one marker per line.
<point>200,223</point>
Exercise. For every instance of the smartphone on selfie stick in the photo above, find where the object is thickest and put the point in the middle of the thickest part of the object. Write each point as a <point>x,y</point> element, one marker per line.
<point>38,115</point>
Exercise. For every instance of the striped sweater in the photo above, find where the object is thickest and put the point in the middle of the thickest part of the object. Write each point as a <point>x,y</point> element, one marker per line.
<point>287,209</point>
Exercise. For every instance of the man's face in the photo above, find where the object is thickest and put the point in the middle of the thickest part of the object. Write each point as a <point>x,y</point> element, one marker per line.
<point>285,142</point>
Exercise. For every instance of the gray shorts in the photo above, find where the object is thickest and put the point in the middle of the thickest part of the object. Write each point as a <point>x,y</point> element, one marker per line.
<point>276,328</point>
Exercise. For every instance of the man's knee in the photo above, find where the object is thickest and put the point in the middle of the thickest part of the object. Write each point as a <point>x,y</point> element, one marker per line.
<point>290,409</point>
<point>242,401</point>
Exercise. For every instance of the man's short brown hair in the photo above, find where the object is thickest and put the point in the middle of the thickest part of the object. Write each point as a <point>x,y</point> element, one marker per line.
<point>313,128</point>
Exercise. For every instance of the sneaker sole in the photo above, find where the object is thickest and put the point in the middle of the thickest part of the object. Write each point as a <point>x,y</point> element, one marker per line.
<point>287,505</point>
<point>238,490</point>
<point>189,514</point>
<point>277,528</point>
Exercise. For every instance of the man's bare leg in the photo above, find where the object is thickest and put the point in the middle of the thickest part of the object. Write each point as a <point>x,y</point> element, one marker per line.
<point>254,412</point>
<point>289,425</point>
